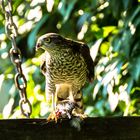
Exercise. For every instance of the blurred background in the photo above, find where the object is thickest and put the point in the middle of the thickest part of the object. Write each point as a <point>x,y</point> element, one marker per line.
<point>111,28</point>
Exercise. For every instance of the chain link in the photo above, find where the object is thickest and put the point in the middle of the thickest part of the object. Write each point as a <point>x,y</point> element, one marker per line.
<point>15,54</point>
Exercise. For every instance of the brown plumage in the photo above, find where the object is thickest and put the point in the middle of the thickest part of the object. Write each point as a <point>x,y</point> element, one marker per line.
<point>67,66</point>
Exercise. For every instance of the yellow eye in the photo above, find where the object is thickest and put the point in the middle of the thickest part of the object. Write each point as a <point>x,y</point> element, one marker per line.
<point>48,40</point>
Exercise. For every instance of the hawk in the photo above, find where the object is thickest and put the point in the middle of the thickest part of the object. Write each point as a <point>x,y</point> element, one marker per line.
<point>67,65</point>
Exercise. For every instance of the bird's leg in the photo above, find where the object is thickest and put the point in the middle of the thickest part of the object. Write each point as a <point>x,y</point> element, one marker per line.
<point>68,104</point>
<point>53,102</point>
<point>53,115</point>
<point>50,90</point>
<point>78,110</point>
<point>64,101</point>
<point>71,97</point>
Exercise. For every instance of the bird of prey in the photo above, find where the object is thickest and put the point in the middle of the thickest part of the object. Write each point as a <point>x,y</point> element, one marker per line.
<point>67,65</point>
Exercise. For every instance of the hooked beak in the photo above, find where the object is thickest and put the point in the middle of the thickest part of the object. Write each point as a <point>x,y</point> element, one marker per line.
<point>38,46</point>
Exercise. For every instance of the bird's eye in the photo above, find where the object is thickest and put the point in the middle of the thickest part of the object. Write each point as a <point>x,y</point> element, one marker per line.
<point>48,40</point>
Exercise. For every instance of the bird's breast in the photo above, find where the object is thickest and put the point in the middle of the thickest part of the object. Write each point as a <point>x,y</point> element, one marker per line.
<point>67,69</point>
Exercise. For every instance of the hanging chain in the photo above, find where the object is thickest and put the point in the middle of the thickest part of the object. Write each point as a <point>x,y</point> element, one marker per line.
<point>15,54</point>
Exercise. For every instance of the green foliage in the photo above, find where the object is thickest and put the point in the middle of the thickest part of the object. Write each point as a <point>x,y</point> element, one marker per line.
<point>110,28</point>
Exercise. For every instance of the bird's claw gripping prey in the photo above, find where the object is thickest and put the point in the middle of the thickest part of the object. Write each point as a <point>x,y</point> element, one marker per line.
<point>63,110</point>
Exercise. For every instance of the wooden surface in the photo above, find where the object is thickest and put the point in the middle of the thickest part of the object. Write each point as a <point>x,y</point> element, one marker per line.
<point>125,128</point>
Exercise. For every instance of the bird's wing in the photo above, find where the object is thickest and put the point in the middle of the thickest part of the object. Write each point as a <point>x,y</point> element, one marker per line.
<point>82,48</point>
<point>43,67</point>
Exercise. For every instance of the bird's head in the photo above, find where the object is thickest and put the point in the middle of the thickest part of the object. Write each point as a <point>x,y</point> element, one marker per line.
<point>50,42</point>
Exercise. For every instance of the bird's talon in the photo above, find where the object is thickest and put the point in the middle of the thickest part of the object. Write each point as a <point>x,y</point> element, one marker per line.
<point>81,116</point>
<point>53,117</point>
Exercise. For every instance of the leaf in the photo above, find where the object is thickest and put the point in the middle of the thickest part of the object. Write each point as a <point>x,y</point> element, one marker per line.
<point>82,20</point>
<point>132,16</point>
<point>104,48</point>
<point>33,34</point>
<point>116,43</point>
<point>2,30</point>
<point>6,90</point>
<point>98,32</point>
<point>136,12</point>
<point>116,8</point>
<point>112,71</point>
<point>65,8</point>
<point>126,3</point>
<point>122,105</point>
<point>107,30</point>
<point>130,83</point>
<point>135,50</point>
<point>95,48</point>
<point>126,42</point>
<point>134,68</point>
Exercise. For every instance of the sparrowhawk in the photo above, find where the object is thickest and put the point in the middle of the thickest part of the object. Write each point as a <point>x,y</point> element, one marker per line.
<point>67,66</point>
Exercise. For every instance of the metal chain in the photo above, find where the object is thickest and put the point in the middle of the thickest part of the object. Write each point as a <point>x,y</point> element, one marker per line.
<point>15,54</point>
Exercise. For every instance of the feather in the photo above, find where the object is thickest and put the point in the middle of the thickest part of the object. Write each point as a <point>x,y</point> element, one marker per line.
<point>83,49</point>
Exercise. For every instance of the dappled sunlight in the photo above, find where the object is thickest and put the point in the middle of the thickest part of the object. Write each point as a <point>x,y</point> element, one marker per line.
<point>109,81</point>
<point>44,109</point>
<point>95,48</point>
<point>2,38</point>
<point>120,23</point>
<point>37,94</point>
<point>109,76</point>
<point>50,4</point>
<point>36,2</point>
<point>81,34</point>
<point>106,4</point>
<point>35,14</point>
<point>109,28</point>
<point>8,108</point>
<point>10,76</point>
<point>132,28</point>
<point>96,89</point>
<point>20,9</point>
<point>1,81</point>
<point>16,115</point>
<point>124,96</point>
<point>93,18</point>
<point>113,99</point>
<point>31,17</point>
<point>89,111</point>
<point>80,12</point>
<point>4,55</point>
<point>12,90</point>
<point>58,26</point>
<point>25,27</point>
<point>28,69</point>
<point>101,15</point>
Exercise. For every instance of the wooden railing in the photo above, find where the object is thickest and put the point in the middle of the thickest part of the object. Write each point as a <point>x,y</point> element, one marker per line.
<point>116,128</point>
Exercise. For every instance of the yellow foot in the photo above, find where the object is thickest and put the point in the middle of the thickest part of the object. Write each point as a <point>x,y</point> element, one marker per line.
<point>53,117</point>
<point>81,116</point>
